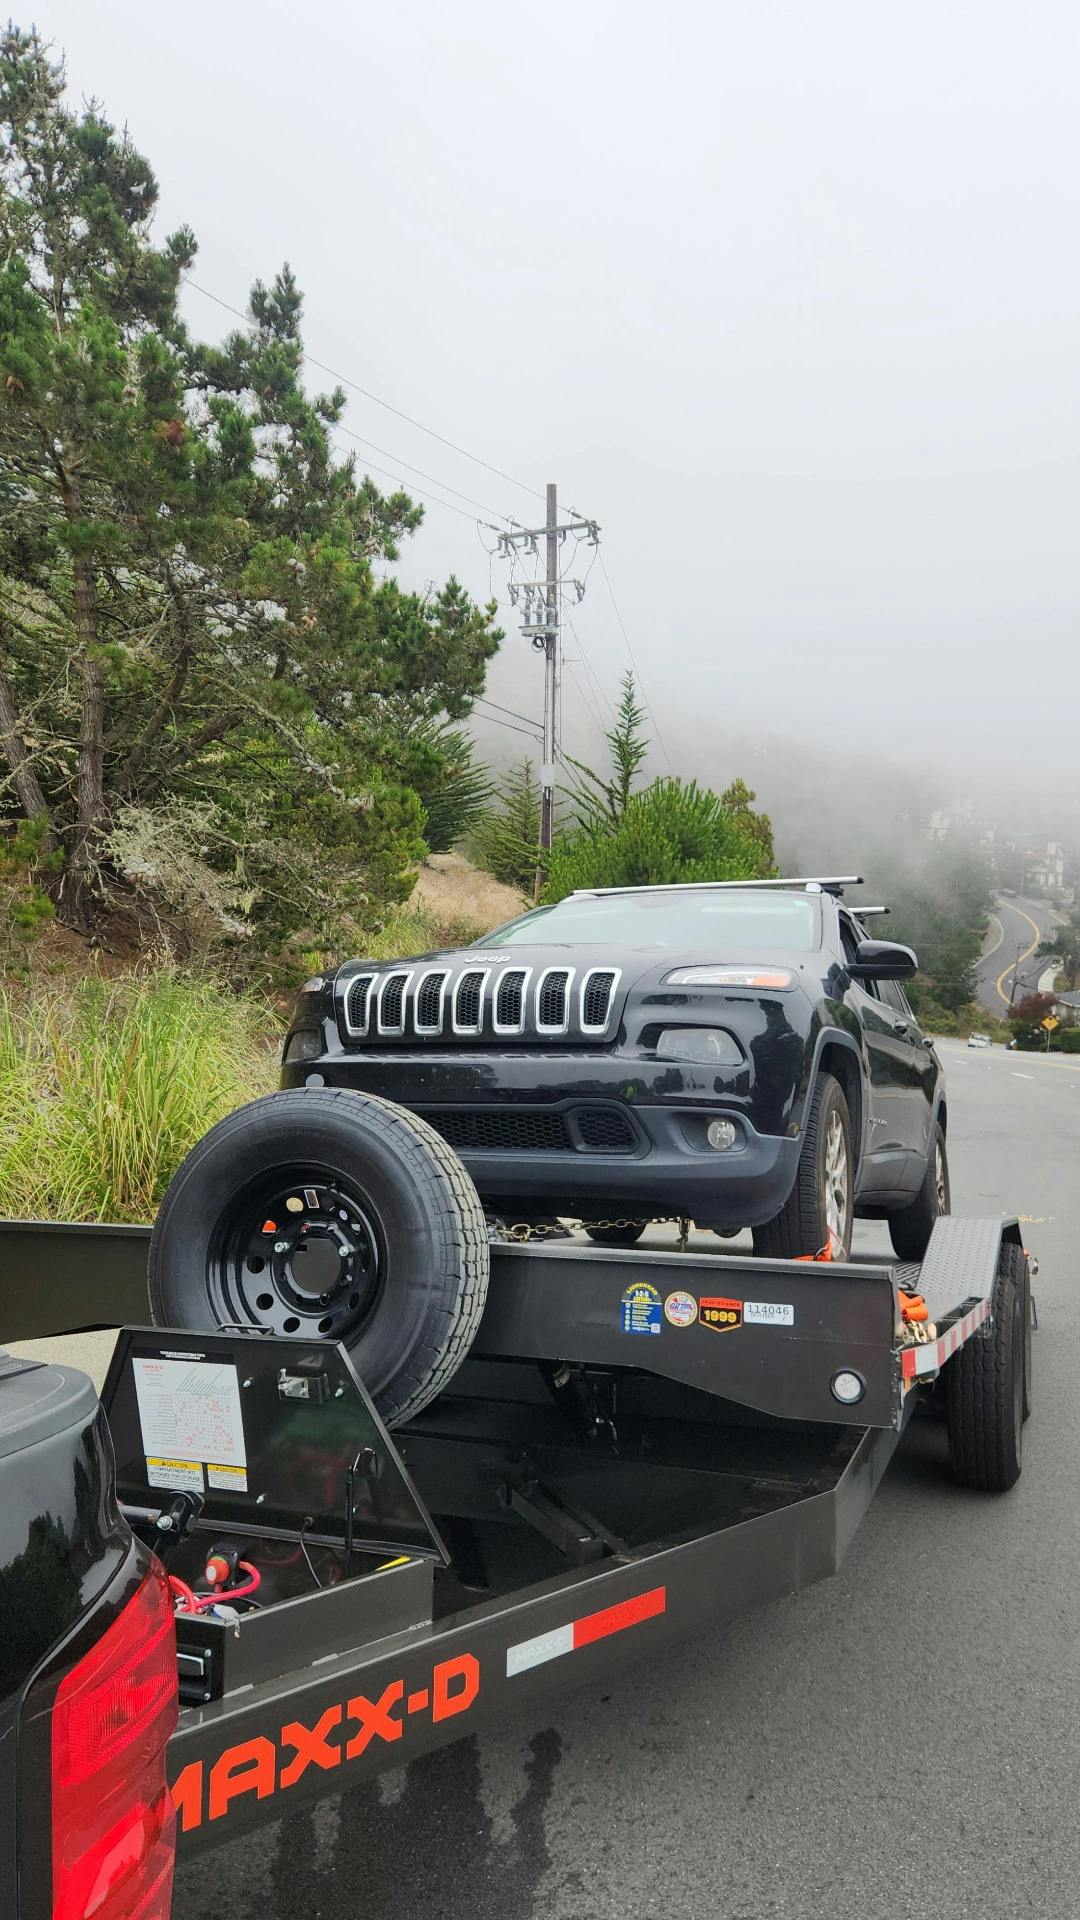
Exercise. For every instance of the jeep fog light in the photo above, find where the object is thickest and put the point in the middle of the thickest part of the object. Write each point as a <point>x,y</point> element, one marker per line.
<point>703,1046</point>
<point>721,1134</point>
<point>305,1044</point>
<point>847,1386</point>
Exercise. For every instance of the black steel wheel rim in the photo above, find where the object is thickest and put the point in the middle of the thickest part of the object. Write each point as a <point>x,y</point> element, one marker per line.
<point>298,1251</point>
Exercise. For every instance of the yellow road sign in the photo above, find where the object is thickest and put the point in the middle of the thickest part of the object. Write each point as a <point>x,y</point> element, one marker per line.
<point>1050,1023</point>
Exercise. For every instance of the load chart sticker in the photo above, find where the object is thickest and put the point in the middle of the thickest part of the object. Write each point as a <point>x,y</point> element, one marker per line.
<point>189,1412</point>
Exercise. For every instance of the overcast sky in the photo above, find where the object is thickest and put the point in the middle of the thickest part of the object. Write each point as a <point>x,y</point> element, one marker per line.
<point>784,294</point>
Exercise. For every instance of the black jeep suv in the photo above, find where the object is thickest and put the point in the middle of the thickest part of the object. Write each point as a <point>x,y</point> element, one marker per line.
<point>739,1054</point>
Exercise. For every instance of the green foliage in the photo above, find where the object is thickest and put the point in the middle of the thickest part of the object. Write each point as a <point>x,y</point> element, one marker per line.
<point>940,897</point>
<point>106,1086</point>
<point>1063,945</point>
<point>438,762</point>
<point>599,802</point>
<point>417,929</point>
<point>1026,1019</point>
<point>672,831</point>
<point>504,839</point>
<point>195,615</point>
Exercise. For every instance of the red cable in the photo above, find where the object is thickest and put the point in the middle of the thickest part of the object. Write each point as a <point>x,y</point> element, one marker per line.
<point>205,1600</point>
<point>181,1591</point>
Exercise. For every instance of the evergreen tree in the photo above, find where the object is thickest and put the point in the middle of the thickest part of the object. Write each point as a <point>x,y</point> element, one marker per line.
<point>192,626</point>
<point>673,831</point>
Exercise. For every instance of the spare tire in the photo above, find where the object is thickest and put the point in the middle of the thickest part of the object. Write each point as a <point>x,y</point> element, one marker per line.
<point>324,1212</point>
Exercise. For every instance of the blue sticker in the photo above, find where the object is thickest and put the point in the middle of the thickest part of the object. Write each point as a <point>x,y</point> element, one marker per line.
<point>641,1309</point>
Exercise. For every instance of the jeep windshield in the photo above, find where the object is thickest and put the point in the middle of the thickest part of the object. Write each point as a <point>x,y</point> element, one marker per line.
<point>678,921</point>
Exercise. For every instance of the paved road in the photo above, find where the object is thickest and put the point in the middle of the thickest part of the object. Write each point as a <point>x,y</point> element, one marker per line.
<point>1016,925</point>
<point>901,1741</point>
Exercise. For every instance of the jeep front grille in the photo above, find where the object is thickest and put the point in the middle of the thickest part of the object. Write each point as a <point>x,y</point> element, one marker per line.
<point>390,1004</point>
<point>428,1005</point>
<point>469,1002</point>
<point>356,1004</point>
<point>410,1004</point>
<point>597,990</point>
<point>552,997</point>
<point>510,1000</point>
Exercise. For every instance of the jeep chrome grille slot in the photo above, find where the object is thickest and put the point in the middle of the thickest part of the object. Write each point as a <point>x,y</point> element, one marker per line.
<point>428,1002</point>
<point>357,1005</point>
<point>597,993</point>
<point>509,1010</point>
<point>469,1000</point>
<point>390,1002</point>
<point>553,1000</point>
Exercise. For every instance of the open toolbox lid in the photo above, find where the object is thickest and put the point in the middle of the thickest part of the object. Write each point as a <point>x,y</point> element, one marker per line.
<point>270,1436</point>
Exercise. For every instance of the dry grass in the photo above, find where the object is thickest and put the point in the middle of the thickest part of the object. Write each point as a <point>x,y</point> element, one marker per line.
<point>105,1085</point>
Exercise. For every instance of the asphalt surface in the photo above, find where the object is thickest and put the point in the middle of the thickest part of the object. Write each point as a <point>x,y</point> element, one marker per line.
<point>901,1741</point>
<point>1016,929</point>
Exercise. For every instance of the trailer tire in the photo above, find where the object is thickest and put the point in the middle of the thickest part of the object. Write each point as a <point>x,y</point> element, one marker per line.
<point>802,1226</point>
<point>984,1387</point>
<point>391,1228</point>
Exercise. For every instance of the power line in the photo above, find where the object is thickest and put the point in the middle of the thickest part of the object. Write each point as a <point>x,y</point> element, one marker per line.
<point>482,700</point>
<point>634,664</point>
<point>377,399</point>
<point>435,481</point>
<point>407,487</point>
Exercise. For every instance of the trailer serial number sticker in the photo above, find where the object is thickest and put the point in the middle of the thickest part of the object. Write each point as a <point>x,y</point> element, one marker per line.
<point>641,1309</point>
<point>720,1314</point>
<point>768,1313</point>
<point>189,1412</point>
<point>681,1309</point>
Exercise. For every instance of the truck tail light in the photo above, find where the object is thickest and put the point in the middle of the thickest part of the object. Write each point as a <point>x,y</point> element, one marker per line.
<point>113,1825</point>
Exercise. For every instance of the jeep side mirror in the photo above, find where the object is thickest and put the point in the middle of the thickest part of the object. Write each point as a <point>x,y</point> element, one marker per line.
<point>882,960</point>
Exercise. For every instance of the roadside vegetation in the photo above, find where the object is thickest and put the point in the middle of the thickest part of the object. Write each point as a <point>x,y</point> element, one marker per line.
<point>106,1084</point>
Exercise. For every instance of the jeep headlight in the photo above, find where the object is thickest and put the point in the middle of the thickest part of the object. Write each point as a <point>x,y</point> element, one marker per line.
<point>778,979</point>
<point>701,1046</point>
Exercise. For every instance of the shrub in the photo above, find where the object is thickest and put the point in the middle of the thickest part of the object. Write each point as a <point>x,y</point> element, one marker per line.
<point>673,831</point>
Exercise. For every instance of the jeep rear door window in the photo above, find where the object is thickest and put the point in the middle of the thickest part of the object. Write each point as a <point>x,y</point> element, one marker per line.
<point>705,922</point>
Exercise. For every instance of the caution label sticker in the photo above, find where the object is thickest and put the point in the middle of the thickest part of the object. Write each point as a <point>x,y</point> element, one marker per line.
<point>229,1479</point>
<point>179,1476</point>
<point>721,1314</point>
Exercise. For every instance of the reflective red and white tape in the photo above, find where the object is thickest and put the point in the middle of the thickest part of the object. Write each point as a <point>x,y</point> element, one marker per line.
<point>915,1361</point>
<point>584,1632</point>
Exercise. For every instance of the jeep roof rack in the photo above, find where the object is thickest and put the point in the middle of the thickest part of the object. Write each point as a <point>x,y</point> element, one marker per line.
<point>834,884</point>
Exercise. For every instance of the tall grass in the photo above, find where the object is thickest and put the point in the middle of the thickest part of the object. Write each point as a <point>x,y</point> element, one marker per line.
<point>106,1084</point>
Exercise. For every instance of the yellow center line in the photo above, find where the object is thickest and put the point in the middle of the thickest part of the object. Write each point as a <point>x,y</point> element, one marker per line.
<point>1021,957</point>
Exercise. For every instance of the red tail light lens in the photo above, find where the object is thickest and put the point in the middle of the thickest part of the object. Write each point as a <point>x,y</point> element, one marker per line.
<point>112,1816</point>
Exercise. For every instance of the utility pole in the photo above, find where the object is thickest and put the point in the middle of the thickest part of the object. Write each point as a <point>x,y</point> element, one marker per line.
<point>1016,972</point>
<point>539,601</point>
<point>551,677</point>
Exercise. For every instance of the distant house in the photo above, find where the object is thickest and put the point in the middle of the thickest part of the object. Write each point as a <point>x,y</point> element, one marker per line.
<point>1067,1008</point>
<point>1045,872</point>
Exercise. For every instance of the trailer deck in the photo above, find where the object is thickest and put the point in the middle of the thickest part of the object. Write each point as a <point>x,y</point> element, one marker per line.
<point>641,1446</point>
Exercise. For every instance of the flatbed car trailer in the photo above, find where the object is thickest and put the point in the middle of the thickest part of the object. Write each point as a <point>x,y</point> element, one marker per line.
<point>642,1444</point>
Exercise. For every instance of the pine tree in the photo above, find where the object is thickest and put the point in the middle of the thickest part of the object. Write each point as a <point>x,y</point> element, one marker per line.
<point>191,621</point>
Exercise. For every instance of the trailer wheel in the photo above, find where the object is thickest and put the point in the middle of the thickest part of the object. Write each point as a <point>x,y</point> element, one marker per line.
<point>821,1202</point>
<point>911,1227</point>
<point>984,1388</point>
<point>335,1215</point>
